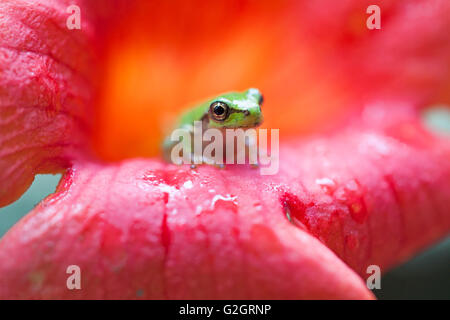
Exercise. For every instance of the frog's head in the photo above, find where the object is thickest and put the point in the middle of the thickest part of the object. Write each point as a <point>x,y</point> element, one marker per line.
<point>236,110</point>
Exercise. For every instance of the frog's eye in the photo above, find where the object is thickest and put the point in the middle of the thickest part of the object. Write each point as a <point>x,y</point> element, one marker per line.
<point>219,110</point>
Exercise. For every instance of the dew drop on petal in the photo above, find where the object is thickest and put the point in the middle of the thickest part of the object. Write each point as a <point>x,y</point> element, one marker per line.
<point>198,209</point>
<point>257,206</point>
<point>352,185</point>
<point>327,184</point>
<point>224,201</point>
<point>188,184</point>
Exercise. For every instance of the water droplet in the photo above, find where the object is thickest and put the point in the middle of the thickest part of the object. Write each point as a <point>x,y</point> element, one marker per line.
<point>288,215</point>
<point>352,195</point>
<point>352,185</point>
<point>257,206</point>
<point>358,210</point>
<point>327,184</point>
<point>198,209</point>
<point>294,210</point>
<point>153,176</point>
<point>226,199</point>
<point>188,184</point>
<point>170,190</point>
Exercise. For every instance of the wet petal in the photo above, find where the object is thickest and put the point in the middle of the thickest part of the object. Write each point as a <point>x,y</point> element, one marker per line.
<point>46,88</point>
<point>407,57</point>
<point>373,193</point>
<point>152,234</point>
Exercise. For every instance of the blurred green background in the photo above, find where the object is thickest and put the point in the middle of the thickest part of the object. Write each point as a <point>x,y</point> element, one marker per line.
<point>427,276</point>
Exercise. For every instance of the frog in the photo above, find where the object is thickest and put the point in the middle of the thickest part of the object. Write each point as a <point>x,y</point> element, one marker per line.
<point>231,110</point>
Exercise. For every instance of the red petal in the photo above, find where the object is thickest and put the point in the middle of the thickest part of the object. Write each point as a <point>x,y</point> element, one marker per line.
<point>407,57</point>
<point>374,194</point>
<point>46,74</point>
<point>139,228</point>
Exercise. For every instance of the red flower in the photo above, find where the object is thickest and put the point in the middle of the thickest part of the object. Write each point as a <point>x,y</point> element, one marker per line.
<point>371,188</point>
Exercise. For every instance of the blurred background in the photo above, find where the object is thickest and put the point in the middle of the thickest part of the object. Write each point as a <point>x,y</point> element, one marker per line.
<point>427,276</point>
<point>316,60</point>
